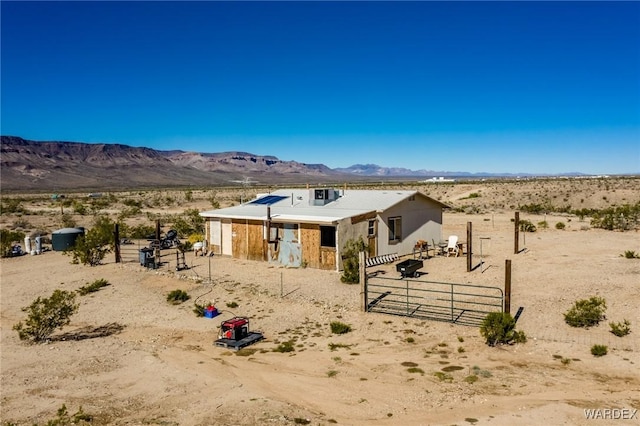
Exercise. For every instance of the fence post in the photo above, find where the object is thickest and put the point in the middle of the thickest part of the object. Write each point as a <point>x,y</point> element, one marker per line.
<point>516,238</point>
<point>363,280</point>
<point>507,286</point>
<point>407,281</point>
<point>451,302</point>
<point>116,237</point>
<point>469,245</point>
<point>156,252</point>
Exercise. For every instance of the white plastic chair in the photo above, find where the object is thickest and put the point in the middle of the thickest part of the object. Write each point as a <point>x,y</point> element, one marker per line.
<point>452,246</point>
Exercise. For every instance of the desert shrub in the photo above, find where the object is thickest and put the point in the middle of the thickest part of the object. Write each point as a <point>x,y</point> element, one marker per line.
<point>338,327</point>
<point>195,238</point>
<point>11,205</point>
<point>79,207</point>
<point>212,199</point>
<point>334,346</point>
<point>6,240</point>
<point>620,328</point>
<point>586,312</point>
<point>246,351</point>
<point>129,212</point>
<point>472,195</point>
<point>500,328</point>
<point>543,224</point>
<point>190,222</point>
<point>67,221</point>
<point>139,232</point>
<point>178,296</point>
<point>132,203</point>
<point>471,379</point>
<point>64,418</point>
<point>560,225</point>
<point>232,305</point>
<point>444,377</point>
<point>198,309</point>
<point>285,347</point>
<point>480,372</point>
<point>351,261</point>
<point>630,254</point>
<point>91,248</point>
<point>21,224</point>
<point>619,218</point>
<point>527,226</point>
<point>535,208</point>
<point>581,213</point>
<point>598,350</point>
<point>97,204</point>
<point>93,287</point>
<point>45,315</point>
<point>415,370</point>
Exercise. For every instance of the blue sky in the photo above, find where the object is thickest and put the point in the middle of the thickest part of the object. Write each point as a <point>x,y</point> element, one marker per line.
<point>539,87</point>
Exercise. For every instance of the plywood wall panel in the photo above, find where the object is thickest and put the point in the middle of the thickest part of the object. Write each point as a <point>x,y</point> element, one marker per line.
<point>255,242</point>
<point>310,241</point>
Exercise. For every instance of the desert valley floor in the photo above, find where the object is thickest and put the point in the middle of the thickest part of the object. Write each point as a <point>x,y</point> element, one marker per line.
<point>129,357</point>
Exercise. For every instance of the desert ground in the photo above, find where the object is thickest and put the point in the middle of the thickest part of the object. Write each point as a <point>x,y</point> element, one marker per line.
<point>130,357</point>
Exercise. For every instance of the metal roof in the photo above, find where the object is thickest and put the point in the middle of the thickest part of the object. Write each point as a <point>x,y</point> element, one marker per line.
<point>293,205</point>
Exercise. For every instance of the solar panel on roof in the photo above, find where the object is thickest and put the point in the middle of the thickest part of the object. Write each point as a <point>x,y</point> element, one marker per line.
<point>268,200</point>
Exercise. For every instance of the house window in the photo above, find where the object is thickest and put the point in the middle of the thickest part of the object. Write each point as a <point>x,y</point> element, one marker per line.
<point>371,230</point>
<point>328,236</point>
<point>395,229</point>
<point>319,194</point>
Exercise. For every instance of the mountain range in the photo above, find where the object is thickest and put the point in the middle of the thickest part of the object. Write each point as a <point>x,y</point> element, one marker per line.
<point>54,166</point>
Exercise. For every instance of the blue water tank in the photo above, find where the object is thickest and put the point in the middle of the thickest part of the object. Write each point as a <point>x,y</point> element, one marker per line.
<point>64,238</point>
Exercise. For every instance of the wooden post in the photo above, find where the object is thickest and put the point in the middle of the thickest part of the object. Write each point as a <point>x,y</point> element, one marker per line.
<point>116,238</point>
<point>507,286</point>
<point>363,280</point>
<point>156,252</point>
<point>516,237</point>
<point>469,245</point>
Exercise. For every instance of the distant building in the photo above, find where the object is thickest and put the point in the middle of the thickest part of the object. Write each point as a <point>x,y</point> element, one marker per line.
<point>311,226</point>
<point>440,179</point>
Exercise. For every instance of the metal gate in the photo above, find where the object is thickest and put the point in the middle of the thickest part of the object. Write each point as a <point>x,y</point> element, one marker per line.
<point>464,304</point>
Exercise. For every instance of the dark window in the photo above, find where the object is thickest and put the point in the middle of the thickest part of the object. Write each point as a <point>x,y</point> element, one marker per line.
<point>371,231</point>
<point>319,194</point>
<point>395,229</point>
<point>328,236</point>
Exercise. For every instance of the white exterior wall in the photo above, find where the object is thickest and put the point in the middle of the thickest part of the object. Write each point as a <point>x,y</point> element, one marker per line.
<point>421,220</point>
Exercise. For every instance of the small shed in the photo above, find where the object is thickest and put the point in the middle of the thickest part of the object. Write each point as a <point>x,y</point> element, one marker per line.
<point>64,238</point>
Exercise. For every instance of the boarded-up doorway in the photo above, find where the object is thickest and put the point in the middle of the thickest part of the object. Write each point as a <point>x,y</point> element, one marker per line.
<point>227,238</point>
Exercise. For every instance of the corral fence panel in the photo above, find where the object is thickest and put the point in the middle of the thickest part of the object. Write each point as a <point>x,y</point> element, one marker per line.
<point>464,304</point>
<point>143,253</point>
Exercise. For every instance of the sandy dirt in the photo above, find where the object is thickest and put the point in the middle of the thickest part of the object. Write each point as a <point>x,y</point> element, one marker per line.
<point>130,357</point>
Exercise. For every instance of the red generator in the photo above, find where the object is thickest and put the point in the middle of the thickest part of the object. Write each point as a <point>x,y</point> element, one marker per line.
<point>234,329</point>
<point>235,334</point>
